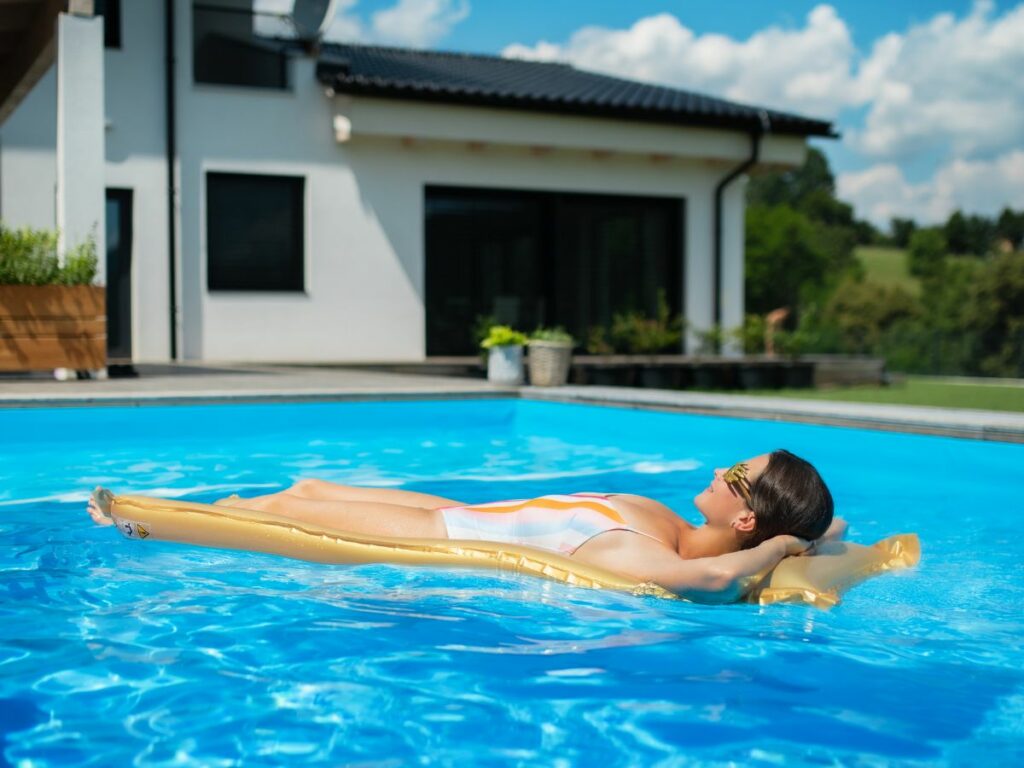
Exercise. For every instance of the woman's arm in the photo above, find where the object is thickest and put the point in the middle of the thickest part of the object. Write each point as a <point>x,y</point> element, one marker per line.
<point>835,531</point>
<point>725,578</point>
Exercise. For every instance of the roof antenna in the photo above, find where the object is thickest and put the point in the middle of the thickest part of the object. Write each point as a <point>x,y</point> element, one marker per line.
<point>311,18</point>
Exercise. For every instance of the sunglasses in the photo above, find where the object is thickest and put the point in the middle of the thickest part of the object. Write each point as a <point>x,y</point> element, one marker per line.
<point>736,478</point>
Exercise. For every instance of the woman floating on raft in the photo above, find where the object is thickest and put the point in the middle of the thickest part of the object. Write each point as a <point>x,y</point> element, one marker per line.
<point>756,513</point>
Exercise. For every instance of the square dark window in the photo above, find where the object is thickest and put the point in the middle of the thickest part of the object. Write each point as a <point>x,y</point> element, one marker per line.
<point>226,50</point>
<point>110,10</point>
<point>254,232</point>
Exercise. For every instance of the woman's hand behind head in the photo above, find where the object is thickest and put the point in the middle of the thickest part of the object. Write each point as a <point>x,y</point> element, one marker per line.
<point>793,545</point>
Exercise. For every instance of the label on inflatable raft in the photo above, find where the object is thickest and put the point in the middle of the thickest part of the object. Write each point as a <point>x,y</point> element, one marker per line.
<point>818,579</point>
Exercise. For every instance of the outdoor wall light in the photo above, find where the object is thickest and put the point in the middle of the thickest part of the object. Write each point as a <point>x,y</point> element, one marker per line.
<point>342,129</point>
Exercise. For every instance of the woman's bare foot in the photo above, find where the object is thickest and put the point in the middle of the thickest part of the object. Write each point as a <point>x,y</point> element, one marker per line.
<point>99,506</point>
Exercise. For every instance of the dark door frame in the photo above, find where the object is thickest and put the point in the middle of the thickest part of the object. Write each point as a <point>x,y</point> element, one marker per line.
<point>119,306</point>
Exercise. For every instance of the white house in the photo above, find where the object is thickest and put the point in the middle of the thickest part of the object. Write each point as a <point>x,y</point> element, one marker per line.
<point>270,201</point>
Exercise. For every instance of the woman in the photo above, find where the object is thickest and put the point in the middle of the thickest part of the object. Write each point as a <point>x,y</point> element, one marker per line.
<point>756,512</point>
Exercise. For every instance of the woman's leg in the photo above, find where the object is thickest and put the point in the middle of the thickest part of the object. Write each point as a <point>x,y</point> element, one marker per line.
<point>367,517</point>
<point>323,490</point>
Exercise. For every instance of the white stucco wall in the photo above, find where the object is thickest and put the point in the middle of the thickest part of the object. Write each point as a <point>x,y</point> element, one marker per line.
<point>28,159</point>
<point>364,292</point>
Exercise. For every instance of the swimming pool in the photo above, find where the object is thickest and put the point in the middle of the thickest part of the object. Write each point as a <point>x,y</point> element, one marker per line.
<point>119,652</point>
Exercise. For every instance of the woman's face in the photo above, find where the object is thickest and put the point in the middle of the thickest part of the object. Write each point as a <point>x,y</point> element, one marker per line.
<point>722,504</point>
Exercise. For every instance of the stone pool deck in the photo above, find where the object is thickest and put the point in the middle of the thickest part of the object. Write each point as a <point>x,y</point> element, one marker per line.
<point>193,383</point>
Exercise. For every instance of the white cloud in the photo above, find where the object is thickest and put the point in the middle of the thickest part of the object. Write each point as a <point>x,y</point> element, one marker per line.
<point>980,186</point>
<point>413,23</point>
<point>950,84</point>
<point>343,26</point>
<point>807,69</point>
<point>419,23</point>
<point>949,88</point>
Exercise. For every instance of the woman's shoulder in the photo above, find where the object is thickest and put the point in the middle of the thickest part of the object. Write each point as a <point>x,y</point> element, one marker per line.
<point>644,502</point>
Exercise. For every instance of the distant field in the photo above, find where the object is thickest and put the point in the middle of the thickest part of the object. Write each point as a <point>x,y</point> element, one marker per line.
<point>920,390</point>
<point>887,266</point>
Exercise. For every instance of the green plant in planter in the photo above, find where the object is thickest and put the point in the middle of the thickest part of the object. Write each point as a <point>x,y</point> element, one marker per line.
<point>750,335</point>
<point>482,325</point>
<point>597,341</point>
<point>640,334</point>
<point>793,343</point>
<point>557,334</point>
<point>709,341</point>
<point>29,257</point>
<point>80,264</point>
<point>503,336</point>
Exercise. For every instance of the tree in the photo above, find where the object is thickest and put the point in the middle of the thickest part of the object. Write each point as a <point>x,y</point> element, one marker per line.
<point>927,253</point>
<point>793,187</point>
<point>994,311</point>
<point>861,311</point>
<point>1010,227</point>
<point>785,259</point>
<point>969,234</point>
<point>901,230</point>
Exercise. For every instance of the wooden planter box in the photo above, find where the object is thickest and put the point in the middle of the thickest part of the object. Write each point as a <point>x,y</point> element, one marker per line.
<point>52,326</point>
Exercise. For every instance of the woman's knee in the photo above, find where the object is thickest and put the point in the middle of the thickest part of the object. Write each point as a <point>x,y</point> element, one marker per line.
<point>306,486</point>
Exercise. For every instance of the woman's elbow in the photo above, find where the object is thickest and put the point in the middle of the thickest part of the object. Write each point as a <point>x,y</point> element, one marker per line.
<point>724,585</point>
<point>717,584</point>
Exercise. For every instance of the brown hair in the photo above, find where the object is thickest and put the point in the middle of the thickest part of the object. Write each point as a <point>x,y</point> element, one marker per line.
<point>789,497</point>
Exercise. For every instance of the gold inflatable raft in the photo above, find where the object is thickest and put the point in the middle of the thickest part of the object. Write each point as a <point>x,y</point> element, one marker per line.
<point>817,579</point>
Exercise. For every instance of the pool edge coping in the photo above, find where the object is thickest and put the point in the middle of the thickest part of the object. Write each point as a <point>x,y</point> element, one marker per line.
<point>925,420</point>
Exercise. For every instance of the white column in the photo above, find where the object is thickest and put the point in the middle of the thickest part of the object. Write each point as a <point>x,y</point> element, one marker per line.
<point>81,193</point>
<point>733,242</point>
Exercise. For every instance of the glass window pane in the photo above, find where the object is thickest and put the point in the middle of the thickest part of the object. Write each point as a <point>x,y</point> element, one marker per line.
<point>254,232</point>
<point>226,50</point>
<point>538,258</point>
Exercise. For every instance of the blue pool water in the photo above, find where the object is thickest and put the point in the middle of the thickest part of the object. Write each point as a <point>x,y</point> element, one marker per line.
<point>118,652</point>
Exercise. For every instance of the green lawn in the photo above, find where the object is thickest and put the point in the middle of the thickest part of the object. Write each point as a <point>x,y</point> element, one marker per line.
<point>887,266</point>
<point>920,390</point>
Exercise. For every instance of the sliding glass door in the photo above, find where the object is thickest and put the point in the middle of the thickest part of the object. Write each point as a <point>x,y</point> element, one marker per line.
<point>541,258</point>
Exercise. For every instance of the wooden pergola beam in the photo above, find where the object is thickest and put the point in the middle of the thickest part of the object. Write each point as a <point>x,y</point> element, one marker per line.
<point>28,61</point>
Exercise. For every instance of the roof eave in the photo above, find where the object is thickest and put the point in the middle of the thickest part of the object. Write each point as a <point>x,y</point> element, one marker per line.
<point>356,87</point>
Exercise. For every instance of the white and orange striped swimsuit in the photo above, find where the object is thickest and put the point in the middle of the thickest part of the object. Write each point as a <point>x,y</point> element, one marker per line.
<point>560,523</point>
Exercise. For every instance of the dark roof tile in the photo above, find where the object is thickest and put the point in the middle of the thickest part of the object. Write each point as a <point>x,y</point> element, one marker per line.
<point>542,86</point>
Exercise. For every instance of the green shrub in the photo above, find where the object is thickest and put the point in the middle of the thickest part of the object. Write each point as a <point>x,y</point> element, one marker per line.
<point>710,340</point>
<point>861,311</point>
<point>79,264</point>
<point>639,334</point>
<point>597,341</point>
<point>29,257</point>
<point>503,336</point>
<point>558,334</point>
<point>927,253</point>
<point>750,335</point>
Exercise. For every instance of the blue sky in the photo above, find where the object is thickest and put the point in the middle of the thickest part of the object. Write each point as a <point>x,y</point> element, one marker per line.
<point>928,95</point>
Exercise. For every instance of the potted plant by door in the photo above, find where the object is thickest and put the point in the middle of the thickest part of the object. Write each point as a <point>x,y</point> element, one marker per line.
<point>799,374</point>
<point>550,356</point>
<point>643,335</point>
<point>709,372</point>
<point>51,316</point>
<point>504,355</point>
<point>603,373</point>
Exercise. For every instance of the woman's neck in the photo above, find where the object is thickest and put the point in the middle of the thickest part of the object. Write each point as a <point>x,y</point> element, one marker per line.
<point>706,541</point>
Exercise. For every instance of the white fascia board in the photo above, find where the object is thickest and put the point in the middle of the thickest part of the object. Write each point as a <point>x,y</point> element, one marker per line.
<point>429,123</point>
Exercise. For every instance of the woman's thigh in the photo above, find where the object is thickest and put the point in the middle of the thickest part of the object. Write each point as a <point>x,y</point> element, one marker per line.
<point>367,517</point>
<point>324,490</point>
